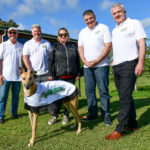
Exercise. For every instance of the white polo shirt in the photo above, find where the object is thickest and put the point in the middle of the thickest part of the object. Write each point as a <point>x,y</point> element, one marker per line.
<point>124,40</point>
<point>93,42</point>
<point>11,55</point>
<point>38,54</point>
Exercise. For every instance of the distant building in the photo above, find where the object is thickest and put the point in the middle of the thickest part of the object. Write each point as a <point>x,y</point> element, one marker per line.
<point>25,35</point>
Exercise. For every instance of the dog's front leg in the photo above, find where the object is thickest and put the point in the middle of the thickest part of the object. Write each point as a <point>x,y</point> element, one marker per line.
<point>30,117</point>
<point>34,125</point>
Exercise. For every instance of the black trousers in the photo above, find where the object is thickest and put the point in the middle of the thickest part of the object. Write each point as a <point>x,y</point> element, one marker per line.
<point>55,107</point>
<point>125,78</point>
<point>41,78</point>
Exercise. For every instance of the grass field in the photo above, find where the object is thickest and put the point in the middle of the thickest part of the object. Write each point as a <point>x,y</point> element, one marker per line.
<point>15,134</point>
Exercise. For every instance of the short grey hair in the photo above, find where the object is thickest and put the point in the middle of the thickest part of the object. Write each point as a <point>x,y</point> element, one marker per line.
<point>118,5</point>
<point>36,26</point>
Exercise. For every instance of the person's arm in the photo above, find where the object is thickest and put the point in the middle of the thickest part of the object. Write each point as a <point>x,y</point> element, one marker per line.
<point>142,50</point>
<point>51,67</point>
<point>112,63</point>
<point>27,62</point>
<point>1,76</point>
<point>105,52</point>
<point>78,65</point>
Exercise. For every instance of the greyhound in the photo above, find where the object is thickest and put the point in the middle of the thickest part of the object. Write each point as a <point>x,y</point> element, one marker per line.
<point>34,103</point>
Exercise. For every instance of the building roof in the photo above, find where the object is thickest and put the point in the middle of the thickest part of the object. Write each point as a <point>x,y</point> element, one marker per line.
<point>44,35</point>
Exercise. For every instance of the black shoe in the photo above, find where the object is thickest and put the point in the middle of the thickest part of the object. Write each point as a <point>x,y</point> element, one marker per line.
<point>107,121</point>
<point>131,129</point>
<point>15,116</point>
<point>1,121</point>
<point>88,119</point>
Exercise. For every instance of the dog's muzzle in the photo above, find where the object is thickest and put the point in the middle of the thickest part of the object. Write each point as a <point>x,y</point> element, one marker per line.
<point>27,87</point>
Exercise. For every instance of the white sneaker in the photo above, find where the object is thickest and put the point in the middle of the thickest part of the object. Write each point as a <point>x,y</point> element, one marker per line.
<point>52,121</point>
<point>65,120</point>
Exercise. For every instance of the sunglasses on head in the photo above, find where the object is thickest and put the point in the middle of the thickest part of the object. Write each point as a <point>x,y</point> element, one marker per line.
<point>12,32</point>
<point>61,35</point>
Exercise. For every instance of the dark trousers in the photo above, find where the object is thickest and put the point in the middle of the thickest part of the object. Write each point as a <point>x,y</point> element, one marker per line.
<point>124,76</point>
<point>55,107</point>
<point>41,78</point>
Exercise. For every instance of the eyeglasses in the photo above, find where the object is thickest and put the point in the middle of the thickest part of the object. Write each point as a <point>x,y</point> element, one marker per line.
<point>12,32</point>
<point>61,35</point>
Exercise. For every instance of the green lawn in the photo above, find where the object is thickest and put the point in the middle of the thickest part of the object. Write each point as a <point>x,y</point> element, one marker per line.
<point>15,134</point>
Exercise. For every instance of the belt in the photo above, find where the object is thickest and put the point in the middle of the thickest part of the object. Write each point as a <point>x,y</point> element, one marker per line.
<point>66,77</point>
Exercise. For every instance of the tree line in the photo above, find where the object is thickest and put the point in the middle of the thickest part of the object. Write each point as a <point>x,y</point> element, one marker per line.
<point>8,24</point>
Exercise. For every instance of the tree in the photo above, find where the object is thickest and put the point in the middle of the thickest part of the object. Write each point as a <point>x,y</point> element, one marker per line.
<point>8,24</point>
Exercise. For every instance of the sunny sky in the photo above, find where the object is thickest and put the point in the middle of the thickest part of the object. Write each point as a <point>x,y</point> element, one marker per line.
<point>54,14</point>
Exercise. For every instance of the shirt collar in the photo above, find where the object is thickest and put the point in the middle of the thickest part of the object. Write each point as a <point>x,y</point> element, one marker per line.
<point>93,27</point>
<point>123,22</point>
<point>10,43</point>
<point>36,41</point>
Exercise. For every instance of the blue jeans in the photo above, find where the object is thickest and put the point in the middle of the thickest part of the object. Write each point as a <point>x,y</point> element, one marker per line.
<point>99,76</point>
<point>4,91</point>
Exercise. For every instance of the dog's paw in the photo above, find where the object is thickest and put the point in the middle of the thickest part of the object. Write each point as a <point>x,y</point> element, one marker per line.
<point>78,132</point>
<point>30,145</point>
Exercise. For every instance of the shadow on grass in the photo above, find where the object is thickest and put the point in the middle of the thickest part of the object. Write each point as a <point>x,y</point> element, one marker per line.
<point>114,106</point>
<point>82,103</point>
<point>139,103</point>
<point>65,129</point>
<point>21,115</point>
<point>144,119</point>
<point>143,88</point>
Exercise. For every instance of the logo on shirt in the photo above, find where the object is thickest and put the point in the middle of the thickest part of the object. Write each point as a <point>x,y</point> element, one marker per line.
<point>97,32</point>
<point>44,46</point>
<point>124,29</point>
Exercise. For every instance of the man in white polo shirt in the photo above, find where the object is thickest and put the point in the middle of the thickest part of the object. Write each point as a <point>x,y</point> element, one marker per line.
<point>128,39</point>
<point>10,61</point>
<point>94,45</point>
<point>35,54</point>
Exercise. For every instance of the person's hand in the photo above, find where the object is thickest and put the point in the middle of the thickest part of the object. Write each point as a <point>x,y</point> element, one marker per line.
<point>94,62</point>
<point>1,79</point>
<point>112,63</point>
<point>139,69</point>
<point>50,78</point>
<point>77,78</point>
<point>89,64</point>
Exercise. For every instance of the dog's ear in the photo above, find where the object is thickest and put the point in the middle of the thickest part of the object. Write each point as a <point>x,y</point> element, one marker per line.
<point>35,72</point>
<point>31,71</point>
<point>21,70</point>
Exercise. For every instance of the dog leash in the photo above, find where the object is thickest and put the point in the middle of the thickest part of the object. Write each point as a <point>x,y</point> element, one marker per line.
<point>79,88</point>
